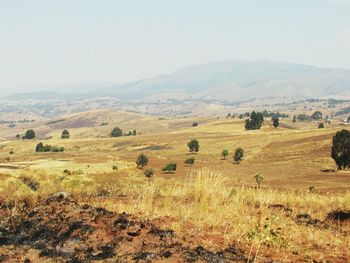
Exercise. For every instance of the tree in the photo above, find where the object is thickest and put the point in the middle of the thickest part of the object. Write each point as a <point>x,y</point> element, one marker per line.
<point>39,147</point>
<point>294,118</point>
<point>65,134</point>
<point>258,179</point>
<point>317,116</point>
<point>193,145</point>
<point>134,132</point>
<point>275,122</point>
<point>239,153</point>
<point>149,173</point>
<point>349,119</point>
<point>195,124</point>
<point>18,136</point>
<point>224,153</point>
<point>141,161</point>
<point>116,132</point>
<point>321,125</point>
<point>30,134</point>
<point>169,168</point>
<point>190,160</point>
<point>341,149</point>
<point>255,121</point>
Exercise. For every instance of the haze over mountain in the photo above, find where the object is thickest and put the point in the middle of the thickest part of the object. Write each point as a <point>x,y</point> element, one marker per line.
<point>226,82</point>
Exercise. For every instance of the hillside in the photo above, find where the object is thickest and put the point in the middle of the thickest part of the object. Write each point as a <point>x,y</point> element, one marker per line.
<point>205,89</point>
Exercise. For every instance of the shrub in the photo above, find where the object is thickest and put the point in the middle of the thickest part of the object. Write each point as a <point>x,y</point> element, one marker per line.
<point>65,134</point>
<point>190,160</point>
<point>255,121</point>
<point>11,152</point>
<point>224,153</point>
<point>341,149</point>
<point>141,161</point>
<point>195,124</point>
<point>114,167</point>
<point>67,172</point>
<point>116,132</point>
<point>258,179</point>
<point>169,168</point>
<point>30,134</point>
<point>149,173</point>
<point>238,156</point>
<point>321,125</point>
<point>193,145</point>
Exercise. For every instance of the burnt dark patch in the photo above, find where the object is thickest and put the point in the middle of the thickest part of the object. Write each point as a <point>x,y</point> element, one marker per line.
<point>280,207</point>
<point>339,215</point>
<point>163,234</point>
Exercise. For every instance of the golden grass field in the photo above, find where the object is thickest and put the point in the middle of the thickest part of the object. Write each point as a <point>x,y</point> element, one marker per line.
<point>214,202</point>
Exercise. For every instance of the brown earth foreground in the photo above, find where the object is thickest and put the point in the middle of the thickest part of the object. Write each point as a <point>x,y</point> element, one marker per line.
<point>66,231</point>
<point>61,229</point>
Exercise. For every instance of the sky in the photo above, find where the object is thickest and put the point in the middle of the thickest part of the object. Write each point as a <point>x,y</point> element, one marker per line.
<point>83,43</point>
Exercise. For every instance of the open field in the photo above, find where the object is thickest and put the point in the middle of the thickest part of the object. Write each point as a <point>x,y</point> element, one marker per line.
<point>213,203</point>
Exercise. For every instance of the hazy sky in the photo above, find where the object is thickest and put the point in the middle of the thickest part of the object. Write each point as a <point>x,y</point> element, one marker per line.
<point>67,42</point>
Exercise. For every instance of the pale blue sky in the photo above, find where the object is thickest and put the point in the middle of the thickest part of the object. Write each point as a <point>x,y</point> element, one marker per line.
<point>65,42</point>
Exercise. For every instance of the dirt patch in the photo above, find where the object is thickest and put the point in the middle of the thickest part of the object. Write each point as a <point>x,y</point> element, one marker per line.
<point>61,228</point>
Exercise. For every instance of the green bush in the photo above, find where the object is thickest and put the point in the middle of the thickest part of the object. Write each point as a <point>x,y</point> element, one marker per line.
<point>193,145</point>
<point>169,168</point>
<point>116,132</point>
<point>141,161</point>
<point>149,173</point>
<point>190,160</point>
<point>65,134</point>
<point>30,134</point>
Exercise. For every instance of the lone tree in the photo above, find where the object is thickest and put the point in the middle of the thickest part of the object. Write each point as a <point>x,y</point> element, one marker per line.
<point>275,122</point>
<point>149,173</point>
<point>317,116</point>
<point>30,134</point>
<point>169,168</point>
<point>255,121</point>
<point>238,157</point>
<point>116,132</point>
<point>65,134</point>
<point>193,145</point>
<point>341,149</point>
<point>258,179</point>
<point>224,153</point>
<point>141,161</point>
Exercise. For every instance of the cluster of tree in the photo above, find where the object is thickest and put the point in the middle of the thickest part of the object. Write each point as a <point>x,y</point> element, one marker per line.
<point>341,149</point>
<point>266,113</point>
<point>302,117</point>
<point>255,121</point>
<point>117,132</point>
<point>130,133</point>
<point>40,147</point>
